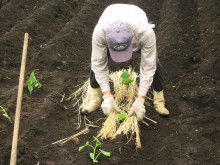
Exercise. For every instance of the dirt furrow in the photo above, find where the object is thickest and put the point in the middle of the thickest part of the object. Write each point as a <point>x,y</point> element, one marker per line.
<point>75,36</point>
<point>39,25</point>
<point>59,53</point>
<point>208,20</point>
<point>197,93</point>
<point>12,12</point>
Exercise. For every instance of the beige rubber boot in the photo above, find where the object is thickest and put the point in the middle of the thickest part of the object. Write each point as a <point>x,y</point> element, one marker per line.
<point>159,103</point>
<point>95,98</point>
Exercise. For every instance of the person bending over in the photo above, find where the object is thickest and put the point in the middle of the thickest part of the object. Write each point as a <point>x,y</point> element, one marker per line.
<point>122,29</point>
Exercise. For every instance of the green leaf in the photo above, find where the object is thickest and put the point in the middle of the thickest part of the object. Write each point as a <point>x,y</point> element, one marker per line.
<point>37,84</point>
<point>125,78</point>
<point>98,144</point>
<point>32,78</point>
<point>97,140</point>
<point>125,75</point>
<point>33,82</point>
<point>105,153</point>
<point>121,116</point>
<point>80,148</point>
<point>30,88</point>
<point>128,81</point>
<point>5,114</point>
<point>92,156</point>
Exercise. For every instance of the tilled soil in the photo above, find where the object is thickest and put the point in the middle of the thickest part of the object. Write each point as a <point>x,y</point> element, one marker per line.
<point>59,53</point>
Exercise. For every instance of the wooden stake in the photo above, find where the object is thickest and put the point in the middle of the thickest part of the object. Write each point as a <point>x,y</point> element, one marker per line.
<point>19,100</point>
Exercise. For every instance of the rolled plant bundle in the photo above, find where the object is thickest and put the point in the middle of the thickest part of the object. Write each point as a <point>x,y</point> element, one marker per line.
<point>124,94</point>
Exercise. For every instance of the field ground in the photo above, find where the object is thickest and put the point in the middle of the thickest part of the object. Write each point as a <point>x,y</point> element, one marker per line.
<point>59,53</point>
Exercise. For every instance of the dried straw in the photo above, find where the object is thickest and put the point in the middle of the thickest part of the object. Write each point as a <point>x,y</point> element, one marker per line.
<point>81,93</point>
<point>124,95</point>
<point>130,126</point>
<point>109,126</point>
<point>62,141</point>
<point>80,96</point>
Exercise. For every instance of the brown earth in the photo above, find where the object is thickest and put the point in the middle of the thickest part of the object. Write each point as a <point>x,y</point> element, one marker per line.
<point>59,54</point>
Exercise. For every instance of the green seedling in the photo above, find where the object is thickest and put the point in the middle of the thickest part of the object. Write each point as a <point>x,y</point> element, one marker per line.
<point>93,155</point>
<point>121,116</point>
<point>125,78</point>
<point>5,113</point>
<point>42,46</point>
<point>33,83</point>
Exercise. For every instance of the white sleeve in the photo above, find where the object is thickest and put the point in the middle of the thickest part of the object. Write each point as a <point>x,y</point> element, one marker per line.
<point>99,61</point>
<point>148,61</point>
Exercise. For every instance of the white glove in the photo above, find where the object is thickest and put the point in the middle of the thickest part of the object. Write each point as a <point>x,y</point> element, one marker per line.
<point>109,104</point>
<point>138,108</point>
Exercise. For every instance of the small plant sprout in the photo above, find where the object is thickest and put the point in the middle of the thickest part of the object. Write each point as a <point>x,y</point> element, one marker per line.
<point>5,113</point>
<point>121,116</point>
<point>93,155</point>
<point>33,83</point>
<point>42,46</point>
<point>125,78</point>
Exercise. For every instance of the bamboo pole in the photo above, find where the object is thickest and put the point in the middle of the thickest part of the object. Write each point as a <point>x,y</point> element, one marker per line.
<point>19,100</point>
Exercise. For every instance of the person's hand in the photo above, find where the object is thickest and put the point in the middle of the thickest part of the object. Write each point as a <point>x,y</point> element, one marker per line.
<point>109,104</point>
<point>138,108</point>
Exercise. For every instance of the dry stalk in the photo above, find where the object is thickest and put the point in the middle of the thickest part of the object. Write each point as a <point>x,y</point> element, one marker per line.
<point>130,126</point>
<point>124,92</point>
<point>81,97</point>
<point>125,95</point>
<point>137,131</point>
<point>81,93</point>
<point>109,126</point>
<point>150,119</point>
<point>62,141</point>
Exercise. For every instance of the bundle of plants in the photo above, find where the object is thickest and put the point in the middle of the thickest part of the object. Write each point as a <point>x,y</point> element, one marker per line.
<point>125,91</point>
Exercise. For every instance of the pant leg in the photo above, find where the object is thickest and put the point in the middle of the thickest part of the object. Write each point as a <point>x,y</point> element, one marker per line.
<point>93,82</point>
<point>158,81</point>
